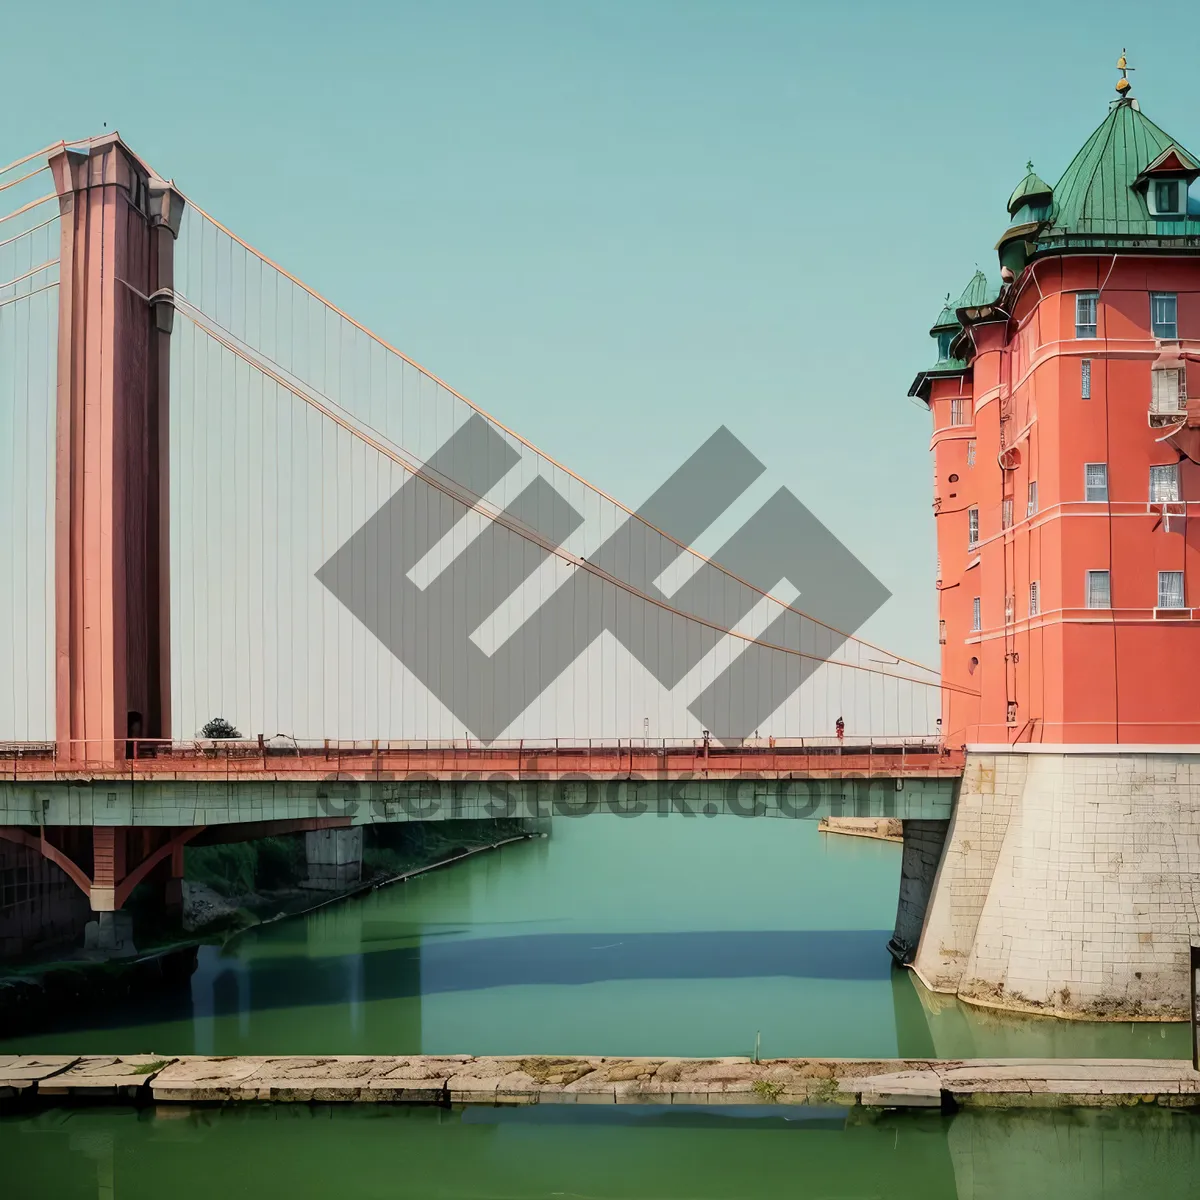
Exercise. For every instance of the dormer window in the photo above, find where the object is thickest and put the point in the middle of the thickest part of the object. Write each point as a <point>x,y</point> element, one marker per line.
<point>1166,197</point>
<point>943,341</point>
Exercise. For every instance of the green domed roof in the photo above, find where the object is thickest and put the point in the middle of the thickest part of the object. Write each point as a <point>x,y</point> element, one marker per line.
<point>1097,192</point>
<point>946,319</point>
<point>1032,190</point>
<point>979,293</point>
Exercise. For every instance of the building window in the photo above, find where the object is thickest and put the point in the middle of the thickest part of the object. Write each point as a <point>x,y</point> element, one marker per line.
<point>941,633</point>
<point>1170,589</point>
<point>972,528</point>
<point>1099,594</point>
<point>957,412</point>
<point>971,453</point>
<point>1006,511</point>
<point>1031,501</point>
<point>944,340</point>
<point>1095,481</point>
<point>1163,310</point>
<point>1165,196</point>
<point>1166,394</point>
<point>1008,609</point>
<point>1164,484</point>
<point>1033,599</point>
<point>975,615</point>
<point>1085,314</point>
<point>1085,379</point>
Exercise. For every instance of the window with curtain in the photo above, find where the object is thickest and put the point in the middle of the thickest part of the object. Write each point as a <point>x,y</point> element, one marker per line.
<point>1006,513</point>
<point>1095,481</point>
<point>1170,589</point>
<point>1164,484</point>
<point>1099,593</point>
<point>1166,394</point>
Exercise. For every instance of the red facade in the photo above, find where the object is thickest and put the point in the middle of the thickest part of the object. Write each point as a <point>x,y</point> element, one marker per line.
<point>1048,402</point>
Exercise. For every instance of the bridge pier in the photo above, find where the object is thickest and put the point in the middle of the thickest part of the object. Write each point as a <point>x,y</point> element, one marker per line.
<point>334,857</point>
<point>923,843</point>
<point>1069,884</point>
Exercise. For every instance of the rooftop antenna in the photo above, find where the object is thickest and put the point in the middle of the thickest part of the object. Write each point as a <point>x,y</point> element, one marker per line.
<point>1123,84</point>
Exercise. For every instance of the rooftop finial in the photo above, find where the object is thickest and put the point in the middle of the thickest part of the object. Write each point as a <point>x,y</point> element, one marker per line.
<point>1123,84</point>
<point>1029,166</point>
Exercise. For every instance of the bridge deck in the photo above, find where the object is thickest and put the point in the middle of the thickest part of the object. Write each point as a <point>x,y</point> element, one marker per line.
<point>261,760</point>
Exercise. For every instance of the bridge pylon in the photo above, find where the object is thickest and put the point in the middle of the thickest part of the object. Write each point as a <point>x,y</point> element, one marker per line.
<point>118,224</point>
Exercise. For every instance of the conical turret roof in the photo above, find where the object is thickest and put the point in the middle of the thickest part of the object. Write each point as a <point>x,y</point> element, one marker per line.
<point>978,293</point>
<point>1096,193</point>
<point>1032,190</point>
<point>946,319</point>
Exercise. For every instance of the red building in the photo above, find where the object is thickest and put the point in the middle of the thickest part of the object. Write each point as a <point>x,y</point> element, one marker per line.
<point>1066,457</point>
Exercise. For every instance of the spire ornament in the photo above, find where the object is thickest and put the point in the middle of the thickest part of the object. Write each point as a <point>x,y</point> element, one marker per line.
<point>1123,84</point>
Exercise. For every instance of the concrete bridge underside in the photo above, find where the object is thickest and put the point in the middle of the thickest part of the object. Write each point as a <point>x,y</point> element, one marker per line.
<point>183,803</point>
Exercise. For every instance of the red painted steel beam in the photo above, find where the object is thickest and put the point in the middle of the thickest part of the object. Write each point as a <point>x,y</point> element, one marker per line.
<point>248,762</point>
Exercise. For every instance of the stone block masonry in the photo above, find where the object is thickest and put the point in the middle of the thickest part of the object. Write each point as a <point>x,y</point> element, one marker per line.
<point>463,1079</point>
<point>1069,885</point>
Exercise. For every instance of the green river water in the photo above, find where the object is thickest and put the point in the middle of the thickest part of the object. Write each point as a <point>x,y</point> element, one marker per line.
<point>613,936</point>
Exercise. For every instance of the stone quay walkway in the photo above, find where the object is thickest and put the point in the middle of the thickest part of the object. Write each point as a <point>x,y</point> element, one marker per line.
<point>463,1079</point>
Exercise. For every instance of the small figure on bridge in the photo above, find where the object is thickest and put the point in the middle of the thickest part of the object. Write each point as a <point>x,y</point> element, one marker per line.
<point>841,729</point>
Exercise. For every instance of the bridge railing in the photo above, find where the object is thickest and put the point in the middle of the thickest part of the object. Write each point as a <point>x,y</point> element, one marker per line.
<point>331,758</point>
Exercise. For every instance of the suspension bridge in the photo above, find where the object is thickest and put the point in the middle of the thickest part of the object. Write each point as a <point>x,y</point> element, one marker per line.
<point>225,497</point>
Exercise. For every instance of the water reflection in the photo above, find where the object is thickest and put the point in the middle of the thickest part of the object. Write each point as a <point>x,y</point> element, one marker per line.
<point>544,1151</point>
<point>613,937</point>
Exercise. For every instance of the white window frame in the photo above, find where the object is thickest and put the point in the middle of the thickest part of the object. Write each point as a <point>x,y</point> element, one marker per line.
<point>1097,576</point>
<point>1089,489</point>
<point>1031,499</point>
<point>972,528</point>
<point>1085,378</point>
<point>958,411</point>
<point>1006,513</point>
<point>976,615</point>
<point>1167,596</point>
<point>1170,330</point>
<point>1035,598</point>
<point>1164,474</point>
<point>1087,329</point>
<point>1180,196</point>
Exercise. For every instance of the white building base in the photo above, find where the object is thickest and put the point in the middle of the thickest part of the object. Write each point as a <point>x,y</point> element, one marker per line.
<point>1069,884</point>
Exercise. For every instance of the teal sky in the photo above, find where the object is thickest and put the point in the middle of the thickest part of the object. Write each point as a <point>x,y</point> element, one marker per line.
<point>617,225</point>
